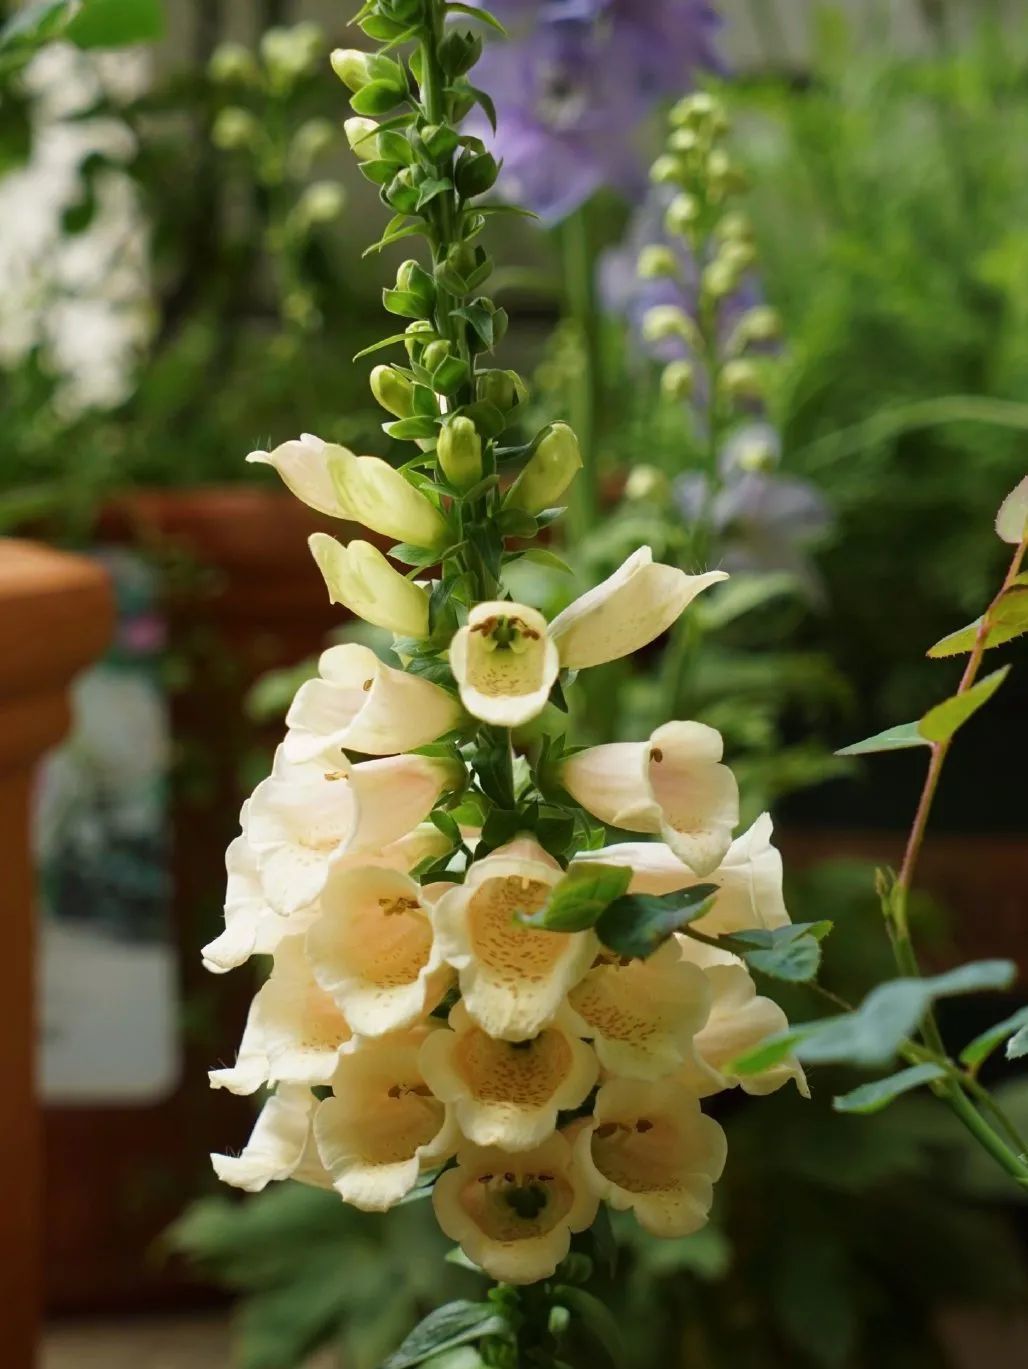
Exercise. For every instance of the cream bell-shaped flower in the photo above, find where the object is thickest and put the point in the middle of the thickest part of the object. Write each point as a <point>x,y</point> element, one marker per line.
<point>359,703</point>
<point>508,1093</point>
<point>382,1126</point>
<point>252,927</point>
<point>513,1215</point>
<point>303,466</point>
<point>504,663</point>
<point>294,1031</point>
<point>739,1020</point>
<point>280,1145</point>
<point>642,1015</point>
<point>360,578</point>
<point>650,1149</point>
<point>749,878</point>
<point>306,814</point>
<point>627,611</point>
<point>372,949</point>
<point>513,978</point>
<point>673,784</point>
<point>373,493</point>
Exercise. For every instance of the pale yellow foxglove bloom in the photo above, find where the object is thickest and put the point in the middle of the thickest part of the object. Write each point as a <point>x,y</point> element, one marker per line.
<point>508,1093</point>
<point>305,815</point>
<point>359,703</point>
<point>749,878</point>
<point>504,663</point>
<point>252,927</point>
<point>376,495</point>
<point>365,489</point>
<point>294,1032</point>
<point>673,784</point>
<point>513,1215</point>
<point>302,465</point>
<point>740,1019</point>
<point>627,611</point>
<point>642,1015</point>
<point>372,949</point>
<point>648,1148</point>
<point>360,578</point>
<point>513,978</point>
<point>280,1145</point>
<point>382,1126</point>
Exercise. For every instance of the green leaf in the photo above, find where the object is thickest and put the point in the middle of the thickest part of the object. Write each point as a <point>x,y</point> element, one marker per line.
<point>483,16</point>
<point>577,901</point>
<point>389,341</point>
<point>408,429</point>
<point>542,556</point>
<point>458,1323</point>
<point>1009,619</point>
<point>377,97</point>
<point>597,1318</point>
<point>1012,518</point>
<point>941,722</point>
<point>636,925</point>
<point>29,28</point>
<point>892,739</point>
<point>116,23</point>
<point>879,1094</point>
<point>976,1052</point>
<point>398,228</point>
<point>429,189</point>
<point>488,108</point>
<point>407,304</point>
<point>480,319</point>
<point>792,953</point>
<point>1017,1046</point>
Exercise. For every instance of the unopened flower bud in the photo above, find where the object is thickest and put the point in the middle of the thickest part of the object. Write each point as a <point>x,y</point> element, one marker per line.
<point>549,471</point>
<point>720,278</point>
<point>665,321</point>
<point>233,129</point>
<point>435,354</point>
<point>502,388</point>
<point>756,452</point>
<point>684,140</point>
<point>418,333</point>
<point>761,324</point>
<point>291,52</point>
<point>645,482</point>
<point>676,380</point>
<point>699,110</point>
<point>321,202</point>
<point>361,134</point>
<point>681,214</point>
<point>723,175</point>
<point>656,261</point>
<point>310,140</point>
<point>459,450</point>
<point>734,227</point>
<point>667,170</point>
<point>741,379</point>
<point>357,69</point>
<point>393,391</point>
<point>231,62</point>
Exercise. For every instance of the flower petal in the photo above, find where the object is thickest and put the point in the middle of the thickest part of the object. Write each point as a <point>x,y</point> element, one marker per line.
<point>507,1093</point>
<point>627,611</point>
<point>359,577</point>
<point>373,493</point>
<point>504,663</point>
<point>277,1145</point>
<point>697,796</point>
<point>303,466</point>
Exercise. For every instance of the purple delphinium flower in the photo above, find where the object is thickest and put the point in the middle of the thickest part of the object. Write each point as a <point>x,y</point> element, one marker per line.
<point>765,519</point>
<point>573,84</point>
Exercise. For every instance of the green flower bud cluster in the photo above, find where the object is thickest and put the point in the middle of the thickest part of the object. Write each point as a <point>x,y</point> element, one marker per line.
<point>702,215</point>
<point>265,124</point>
<point>410,91</point>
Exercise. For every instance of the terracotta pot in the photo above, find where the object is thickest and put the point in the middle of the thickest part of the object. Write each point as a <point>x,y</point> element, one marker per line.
<point>56,613</point>
<point>982,880</point>
<point>241,595</point>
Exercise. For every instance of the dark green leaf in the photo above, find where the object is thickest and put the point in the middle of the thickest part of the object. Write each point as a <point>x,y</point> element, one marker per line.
<point>429,189</point>
<point>577,901</point>
<point>636,925</point>
<point>976,1052</point>
<point>487,105</point>
<point>458,1323</point>
<point>479,318</point>
<point>792,953</point>
<point>483,16</point>
<point>875,1096</point>
<point>446,823</point>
